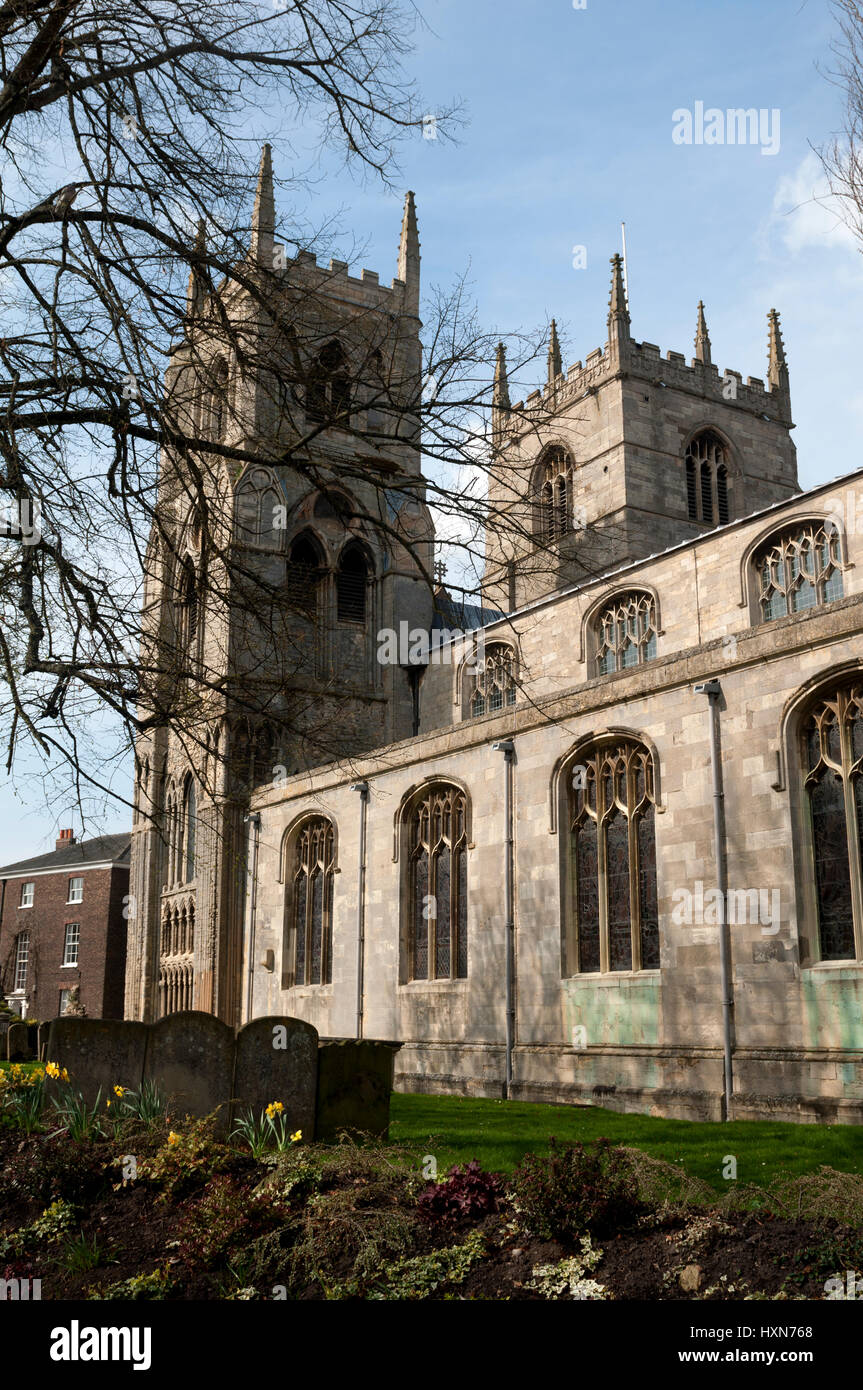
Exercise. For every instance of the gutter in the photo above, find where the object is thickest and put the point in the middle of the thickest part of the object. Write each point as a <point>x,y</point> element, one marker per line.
<point>713,691</point>
<point>507,747</point>
<point>363,789</point>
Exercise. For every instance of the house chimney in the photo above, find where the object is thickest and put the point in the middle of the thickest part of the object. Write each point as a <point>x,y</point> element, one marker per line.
<point>66,838</point>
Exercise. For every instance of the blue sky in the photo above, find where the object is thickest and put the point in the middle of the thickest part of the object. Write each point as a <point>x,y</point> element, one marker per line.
<point>569,131</point>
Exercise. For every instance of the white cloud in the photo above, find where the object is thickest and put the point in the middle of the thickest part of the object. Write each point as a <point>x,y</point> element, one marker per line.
<point>805,213</point>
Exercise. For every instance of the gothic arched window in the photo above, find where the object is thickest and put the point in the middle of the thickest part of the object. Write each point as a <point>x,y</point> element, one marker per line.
<point>553,491</point>
<point>626,633</point>
<point>801,568</point>
<point>328,389</point>
<point>437,892</point>
<point>351,582</point>
<point>190,828</point>
<point>707,489</point>
<point>219,400</point>
<point>492,683</point>
<point>833,780</point>
<point>311,924</point>
<point>260,510</point>
<point>188,606</point>
<point>612,917</point>
<point>303,577</point>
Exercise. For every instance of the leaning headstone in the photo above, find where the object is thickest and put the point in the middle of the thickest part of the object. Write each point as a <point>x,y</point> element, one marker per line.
<point>355,1080</point>
<point>98,1053</point>
<point>277,1060</point>
<point>190,1057</point>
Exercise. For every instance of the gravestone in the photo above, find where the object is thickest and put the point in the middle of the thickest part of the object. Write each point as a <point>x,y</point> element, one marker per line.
<point>354,1084</point>
<point>17,1043</point>
<point>277,1059</point>
<point>190,1057</point>
<point>98,1053</point>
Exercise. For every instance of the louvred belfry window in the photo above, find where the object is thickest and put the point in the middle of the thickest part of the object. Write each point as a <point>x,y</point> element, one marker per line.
<point>351,581</point>
<point>554,495</point>
<point>438,886</point>
<point>303,578</point>
<point>707,486</point>
<point>613,919</point>
<point>313,903</point>
<point>833,763</point>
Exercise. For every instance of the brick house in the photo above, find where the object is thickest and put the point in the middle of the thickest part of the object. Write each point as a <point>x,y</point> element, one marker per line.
<point>63,923</point>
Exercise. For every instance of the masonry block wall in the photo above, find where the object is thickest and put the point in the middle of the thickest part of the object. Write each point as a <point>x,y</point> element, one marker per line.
<point>653,1037</point>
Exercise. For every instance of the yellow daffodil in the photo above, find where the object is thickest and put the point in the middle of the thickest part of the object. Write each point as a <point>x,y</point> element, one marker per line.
<point>119,1090</point>
<point>173,1138</point>
<point>296,1136</point>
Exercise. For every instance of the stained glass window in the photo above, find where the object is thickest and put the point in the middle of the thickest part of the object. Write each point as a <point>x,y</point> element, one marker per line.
<point>800,569</point>
<point>493,683</point>
<point>626,633</point>
<point>614,923</point>
<point>438,944</point>
<point>833,745</point>
<point>313,903</point>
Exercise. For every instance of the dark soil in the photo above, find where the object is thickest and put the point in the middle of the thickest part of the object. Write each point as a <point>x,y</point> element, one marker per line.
<point>735,1253</point>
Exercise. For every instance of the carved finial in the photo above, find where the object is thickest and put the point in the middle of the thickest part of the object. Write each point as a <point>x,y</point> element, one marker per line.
<point>439,573</point>
<point>264,214</point>
<point>777,367</point>
<point>555,362</point>
<point>702,339</point>
<point>409,255</point>
<point>500,402</point>
<point>196,292</point>
<point>618,311</point>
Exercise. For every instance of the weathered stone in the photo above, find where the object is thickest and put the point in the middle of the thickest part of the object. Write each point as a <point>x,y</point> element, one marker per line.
<point>190,1056</point>
<point>690,1278</point>
<point>277,1060</point>
<point>355,1080</point>
<point>98,1054</point>
<point>18,1043</point>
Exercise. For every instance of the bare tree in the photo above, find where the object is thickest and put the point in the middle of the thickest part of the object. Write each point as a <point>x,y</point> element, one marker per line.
<point>126,246</point>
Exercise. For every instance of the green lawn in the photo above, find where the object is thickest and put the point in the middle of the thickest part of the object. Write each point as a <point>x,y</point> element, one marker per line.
<point>499,1132</point>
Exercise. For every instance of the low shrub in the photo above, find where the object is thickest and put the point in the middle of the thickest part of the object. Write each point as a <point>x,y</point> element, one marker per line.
<point>574,1190</point>
<point>56,1167</point>
<point>226,1217</point>
<point>186,1161</point>
<point>465,1193</point>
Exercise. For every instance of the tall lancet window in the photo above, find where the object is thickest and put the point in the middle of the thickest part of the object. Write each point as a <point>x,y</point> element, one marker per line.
<point>553,494</point>
<point>708,497</point>
<point>833,780</point>
<point>613,921</point>
<point>312,915</point>
<point>437,896</point>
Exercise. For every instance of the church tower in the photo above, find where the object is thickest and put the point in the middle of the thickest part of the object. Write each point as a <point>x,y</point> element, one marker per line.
<point>628,453</point>
<point>268,580</point>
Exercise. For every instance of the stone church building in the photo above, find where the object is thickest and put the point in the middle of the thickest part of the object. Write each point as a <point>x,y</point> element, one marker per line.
<point>606,845</point>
